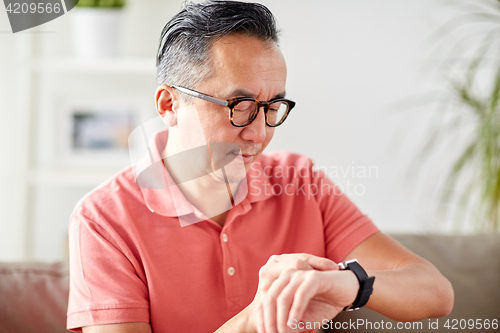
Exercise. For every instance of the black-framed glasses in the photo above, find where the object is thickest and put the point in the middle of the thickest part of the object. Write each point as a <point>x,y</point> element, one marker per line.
<point>244,110</point>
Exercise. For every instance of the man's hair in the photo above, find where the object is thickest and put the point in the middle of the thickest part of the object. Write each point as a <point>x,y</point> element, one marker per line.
<point>183,55</point>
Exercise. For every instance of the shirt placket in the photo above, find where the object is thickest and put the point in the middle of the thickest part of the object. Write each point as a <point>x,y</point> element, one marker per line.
<point>231,273</point>
<point>233,279</point>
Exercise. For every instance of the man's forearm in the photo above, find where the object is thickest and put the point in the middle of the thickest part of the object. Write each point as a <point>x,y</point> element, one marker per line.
<point>412,292</point>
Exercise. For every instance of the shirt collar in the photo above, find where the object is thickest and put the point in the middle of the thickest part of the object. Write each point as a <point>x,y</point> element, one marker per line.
<point>160,193</point>
<point>163,196</point>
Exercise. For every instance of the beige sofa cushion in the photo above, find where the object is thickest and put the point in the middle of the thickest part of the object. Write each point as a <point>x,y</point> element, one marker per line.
<point>33,297</point>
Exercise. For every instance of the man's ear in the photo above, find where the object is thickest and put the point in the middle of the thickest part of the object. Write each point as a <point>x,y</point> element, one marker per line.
<point>167,103</point>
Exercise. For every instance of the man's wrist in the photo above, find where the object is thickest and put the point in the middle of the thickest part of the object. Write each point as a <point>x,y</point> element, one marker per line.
<point>240,323</point>
<point>365,283</point>
<point>354,285</point>
<point>244,322</point>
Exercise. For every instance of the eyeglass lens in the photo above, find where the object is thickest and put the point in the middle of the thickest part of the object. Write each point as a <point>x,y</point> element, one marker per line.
<point>245,111</point>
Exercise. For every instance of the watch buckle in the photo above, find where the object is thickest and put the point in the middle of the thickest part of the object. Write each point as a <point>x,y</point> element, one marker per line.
<point>343,264</point>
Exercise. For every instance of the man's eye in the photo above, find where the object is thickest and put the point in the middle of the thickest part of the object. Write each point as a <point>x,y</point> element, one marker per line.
<point>246,106</point>
<point>242,110</point>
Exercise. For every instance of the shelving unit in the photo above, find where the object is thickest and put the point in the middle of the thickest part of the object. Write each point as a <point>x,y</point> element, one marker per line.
<point>102,66</point>
<point>50,186</point>
<point>41,185</point>
<point>67,178</point>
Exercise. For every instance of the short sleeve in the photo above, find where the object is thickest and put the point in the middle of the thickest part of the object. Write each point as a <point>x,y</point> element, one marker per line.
<point>106,282</point>
<point>345,226</point>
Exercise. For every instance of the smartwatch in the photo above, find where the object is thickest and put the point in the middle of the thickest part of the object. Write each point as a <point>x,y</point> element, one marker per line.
<point>365,283</point>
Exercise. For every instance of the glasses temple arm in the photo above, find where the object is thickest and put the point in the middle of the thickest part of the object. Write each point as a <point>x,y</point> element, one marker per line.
<point>200,95</point>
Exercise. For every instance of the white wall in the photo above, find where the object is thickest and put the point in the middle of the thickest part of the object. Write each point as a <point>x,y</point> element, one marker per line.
<point>352,67</point>
<point>349,62</point>
<point>11,232</point>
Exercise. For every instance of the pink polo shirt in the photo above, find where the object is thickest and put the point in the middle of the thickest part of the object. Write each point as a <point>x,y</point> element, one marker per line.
<point>131,260</point>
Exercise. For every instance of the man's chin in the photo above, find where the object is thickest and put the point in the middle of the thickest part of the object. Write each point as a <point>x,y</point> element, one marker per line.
<point>231,175</point>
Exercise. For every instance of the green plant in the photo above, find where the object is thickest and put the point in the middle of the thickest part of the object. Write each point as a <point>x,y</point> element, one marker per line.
<point>101,3</point>
<point>472,70</point>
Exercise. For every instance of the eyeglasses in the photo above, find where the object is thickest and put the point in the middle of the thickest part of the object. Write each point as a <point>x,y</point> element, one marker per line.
<point>244,110</point>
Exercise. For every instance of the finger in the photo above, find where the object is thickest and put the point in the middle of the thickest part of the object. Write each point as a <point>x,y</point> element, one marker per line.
<point>274,269</point>
<point>269,301</point>
<point>275,258</point>
<point>301,261</point>
<point>285,300</point>
<point>270,272</point>
<point>319,263</point>
<point>259,322</point>
<point>303,295</point>
<point>265,278</point>
<point>269,314</point>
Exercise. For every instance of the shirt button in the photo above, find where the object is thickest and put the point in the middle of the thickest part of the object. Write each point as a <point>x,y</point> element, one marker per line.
<point>230,271</point>
<point>224,238</point>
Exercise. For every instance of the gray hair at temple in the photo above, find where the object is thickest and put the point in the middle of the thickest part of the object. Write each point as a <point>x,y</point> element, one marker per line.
<point>183,56</point>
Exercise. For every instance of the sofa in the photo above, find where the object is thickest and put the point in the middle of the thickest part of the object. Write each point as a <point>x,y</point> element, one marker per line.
<point>33,296</point>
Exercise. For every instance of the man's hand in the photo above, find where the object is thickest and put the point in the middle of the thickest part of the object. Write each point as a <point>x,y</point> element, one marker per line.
<point>295,288</point>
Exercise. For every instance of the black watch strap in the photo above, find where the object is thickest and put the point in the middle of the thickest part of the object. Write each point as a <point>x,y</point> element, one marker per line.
<point>365,283</point>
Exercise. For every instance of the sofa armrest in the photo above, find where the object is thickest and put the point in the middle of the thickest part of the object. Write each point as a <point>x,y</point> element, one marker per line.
<point>33,297</point>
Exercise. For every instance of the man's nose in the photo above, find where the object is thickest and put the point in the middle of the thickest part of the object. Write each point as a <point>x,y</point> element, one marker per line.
<point>256,131</point>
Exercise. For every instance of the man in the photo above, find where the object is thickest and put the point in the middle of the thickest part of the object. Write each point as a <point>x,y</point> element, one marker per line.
<point>233,240</point>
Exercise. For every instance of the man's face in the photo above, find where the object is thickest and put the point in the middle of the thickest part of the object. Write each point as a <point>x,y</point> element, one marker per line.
<point>243,67</point>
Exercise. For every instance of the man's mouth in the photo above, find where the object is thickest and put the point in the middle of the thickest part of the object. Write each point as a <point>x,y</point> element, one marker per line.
<point>247,158</point>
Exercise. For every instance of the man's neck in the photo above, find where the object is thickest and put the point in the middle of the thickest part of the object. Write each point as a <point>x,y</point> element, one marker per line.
<point>210,197</point>
<point>221,218</point>
<point>209,194</point>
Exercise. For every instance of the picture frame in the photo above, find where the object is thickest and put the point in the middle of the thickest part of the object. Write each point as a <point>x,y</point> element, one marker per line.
<point>96,133</point>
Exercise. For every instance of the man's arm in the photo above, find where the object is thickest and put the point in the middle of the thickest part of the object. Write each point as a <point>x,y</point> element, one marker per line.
<point>407,287</point>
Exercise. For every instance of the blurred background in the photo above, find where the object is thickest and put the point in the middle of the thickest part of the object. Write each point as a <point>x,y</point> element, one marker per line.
<point>382,108</point>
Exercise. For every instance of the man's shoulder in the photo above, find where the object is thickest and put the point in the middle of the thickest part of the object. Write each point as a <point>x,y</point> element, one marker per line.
<point>111,196</point>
